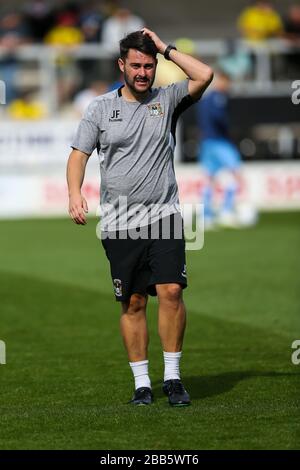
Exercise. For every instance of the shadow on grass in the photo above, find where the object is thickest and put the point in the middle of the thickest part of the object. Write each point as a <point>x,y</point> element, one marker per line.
<point>73,315</point>
<point>212,385</point>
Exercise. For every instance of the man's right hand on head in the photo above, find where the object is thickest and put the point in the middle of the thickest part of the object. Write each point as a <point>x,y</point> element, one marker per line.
<point>77,209</point>
<point>161,46</point>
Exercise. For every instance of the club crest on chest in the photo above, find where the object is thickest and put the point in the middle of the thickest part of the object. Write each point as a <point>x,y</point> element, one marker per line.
<point>155,109</point>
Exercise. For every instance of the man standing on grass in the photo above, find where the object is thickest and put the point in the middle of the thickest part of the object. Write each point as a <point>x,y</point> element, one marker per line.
<point>133,129</point>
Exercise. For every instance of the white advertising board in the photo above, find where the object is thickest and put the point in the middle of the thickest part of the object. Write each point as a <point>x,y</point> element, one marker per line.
<point>33,160</point>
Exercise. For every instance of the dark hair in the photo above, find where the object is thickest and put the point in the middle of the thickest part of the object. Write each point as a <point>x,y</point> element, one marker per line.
<point>139,41</point>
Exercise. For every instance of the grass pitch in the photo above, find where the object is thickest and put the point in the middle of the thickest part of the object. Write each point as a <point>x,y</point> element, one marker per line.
<point>67,380</point>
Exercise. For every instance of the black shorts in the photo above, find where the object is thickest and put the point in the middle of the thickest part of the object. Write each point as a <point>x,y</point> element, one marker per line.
<point>137,265</point>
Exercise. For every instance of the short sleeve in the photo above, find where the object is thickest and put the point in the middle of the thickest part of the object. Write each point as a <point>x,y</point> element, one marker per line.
<point>177,91</point>
<point>87,135</point>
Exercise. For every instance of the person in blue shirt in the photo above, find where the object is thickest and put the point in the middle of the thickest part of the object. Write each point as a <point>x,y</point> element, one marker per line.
<point>217,152</point>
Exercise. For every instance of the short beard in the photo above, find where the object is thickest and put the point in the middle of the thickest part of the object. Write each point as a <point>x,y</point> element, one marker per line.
<point>132,88</point>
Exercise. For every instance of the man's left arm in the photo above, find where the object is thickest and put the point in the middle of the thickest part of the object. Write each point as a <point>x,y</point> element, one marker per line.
<point>200,75</point>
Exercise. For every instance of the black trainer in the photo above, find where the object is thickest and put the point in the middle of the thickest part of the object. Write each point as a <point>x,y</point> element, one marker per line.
<point>176,392</point>
<point>142,396</point>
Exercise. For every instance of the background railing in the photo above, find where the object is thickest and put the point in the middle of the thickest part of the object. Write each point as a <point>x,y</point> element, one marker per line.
<point>266,76</point>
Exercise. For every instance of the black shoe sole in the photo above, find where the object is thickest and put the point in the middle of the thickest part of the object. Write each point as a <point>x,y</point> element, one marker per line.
<point>177,405</point>
<point>139,404</point>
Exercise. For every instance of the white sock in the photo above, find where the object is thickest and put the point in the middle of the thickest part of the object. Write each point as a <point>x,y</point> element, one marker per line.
<point>172,360</point>
<point>140,373</point>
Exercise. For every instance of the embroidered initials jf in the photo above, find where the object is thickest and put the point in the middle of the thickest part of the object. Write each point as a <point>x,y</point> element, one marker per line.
<point>115,115</point>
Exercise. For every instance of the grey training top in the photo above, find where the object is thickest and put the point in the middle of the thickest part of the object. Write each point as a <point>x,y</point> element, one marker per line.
<point>135,143</point>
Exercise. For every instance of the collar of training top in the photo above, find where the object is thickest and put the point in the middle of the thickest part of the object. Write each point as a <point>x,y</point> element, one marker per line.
<point>120,91</point>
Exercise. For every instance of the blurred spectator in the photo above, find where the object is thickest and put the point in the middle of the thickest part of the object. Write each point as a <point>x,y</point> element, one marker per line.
<point>237,63</point>
<point>90,25</point>
<point>90,21</point>
<point>13,33</point>
<point>217,153</point>
<point>40,18</point>
<point>13,30</point>
<point>292,34</point>
<point>68,79</point>
<point>109,7</point>
<point>292,25</point>
<point>84,97</point>
<point>260,21</point>
<point>65,32</point>
<point>116,27</point>
<point>27,107</point>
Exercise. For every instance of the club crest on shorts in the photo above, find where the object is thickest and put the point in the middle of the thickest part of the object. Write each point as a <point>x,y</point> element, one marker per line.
<point>155,109</point>
<point>118,287</point>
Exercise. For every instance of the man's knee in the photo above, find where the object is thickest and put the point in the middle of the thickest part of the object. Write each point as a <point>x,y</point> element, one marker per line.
<point>169,292</point>
<point>135,305</point>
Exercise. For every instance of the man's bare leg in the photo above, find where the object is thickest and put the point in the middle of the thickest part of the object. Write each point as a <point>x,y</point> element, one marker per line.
<point>171,316</point>
<point>171,327</point>
<point>134,330</point>
<point>136,339</point>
